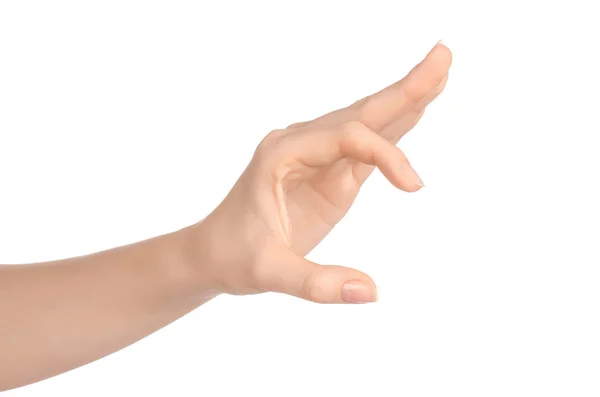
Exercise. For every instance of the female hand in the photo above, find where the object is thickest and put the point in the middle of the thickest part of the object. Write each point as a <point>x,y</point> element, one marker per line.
<point>301,181</point>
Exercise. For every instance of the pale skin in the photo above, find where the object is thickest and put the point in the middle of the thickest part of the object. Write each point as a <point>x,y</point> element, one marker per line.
<point>301,181</point>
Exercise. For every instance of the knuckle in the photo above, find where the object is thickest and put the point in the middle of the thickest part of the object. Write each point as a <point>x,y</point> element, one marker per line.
<point>351,132</point>
<point>271,139</point>
<point>269,144</point>
<point>359,107</point>
<point>311,288</point>
<point>311,293</point>
<point>413,92</point>
<point>352,126</point>
<point>352,129</point>
<point>298,125</point>
<point>272,157</point>
<point>364,107</point>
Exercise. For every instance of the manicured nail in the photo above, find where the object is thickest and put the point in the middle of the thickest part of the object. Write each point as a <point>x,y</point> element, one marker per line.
<point>358,292</point>
<point>411,175</point>
<point>419,181</point>
<point>443,42</point>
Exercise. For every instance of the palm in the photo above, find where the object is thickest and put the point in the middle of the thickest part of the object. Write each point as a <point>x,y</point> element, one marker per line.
<point>316,205</point>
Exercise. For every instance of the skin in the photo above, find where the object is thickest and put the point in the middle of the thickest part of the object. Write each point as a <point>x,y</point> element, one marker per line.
<point>301,181</point>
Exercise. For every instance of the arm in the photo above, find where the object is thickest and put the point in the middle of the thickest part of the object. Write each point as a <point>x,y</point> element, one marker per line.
<point>59,315</point>
<point>300,182</point>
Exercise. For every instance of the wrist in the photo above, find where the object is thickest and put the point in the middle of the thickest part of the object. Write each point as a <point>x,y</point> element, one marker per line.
<point>223,253</point>
<point>192,270</point>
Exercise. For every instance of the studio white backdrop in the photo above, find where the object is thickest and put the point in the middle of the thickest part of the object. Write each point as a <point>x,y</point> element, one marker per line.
<point>122,120</point>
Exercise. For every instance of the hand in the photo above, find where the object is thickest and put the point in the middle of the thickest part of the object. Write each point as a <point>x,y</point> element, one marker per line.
<point>302,180</point>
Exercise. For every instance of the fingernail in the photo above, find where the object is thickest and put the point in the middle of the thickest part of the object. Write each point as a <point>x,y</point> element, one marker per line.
<point>419,181</point>
<point>443,42</point>
<point>358,292</point>
<point>411,175</point>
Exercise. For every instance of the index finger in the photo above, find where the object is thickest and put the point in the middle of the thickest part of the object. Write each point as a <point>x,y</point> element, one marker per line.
<point>381,109</point>
<point>384,107</point>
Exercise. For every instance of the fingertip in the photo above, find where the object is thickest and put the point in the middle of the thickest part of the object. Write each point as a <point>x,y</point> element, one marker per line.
<point>444,43</point>
<point>440,56</point>
<point>443,52</point>
<point>338,284</point>
<point>411,188</point>
<point>407,179</point>
<point>419,181</point>
<point>358,291</point>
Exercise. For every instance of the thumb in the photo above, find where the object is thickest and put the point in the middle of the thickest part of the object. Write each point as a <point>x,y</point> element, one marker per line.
<point>304,279</point>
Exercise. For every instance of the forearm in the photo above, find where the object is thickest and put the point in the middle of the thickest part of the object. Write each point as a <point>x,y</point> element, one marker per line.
<point>59,315</point>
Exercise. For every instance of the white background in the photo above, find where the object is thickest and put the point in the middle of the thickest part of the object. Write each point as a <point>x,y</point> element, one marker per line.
<point>121,120</point>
